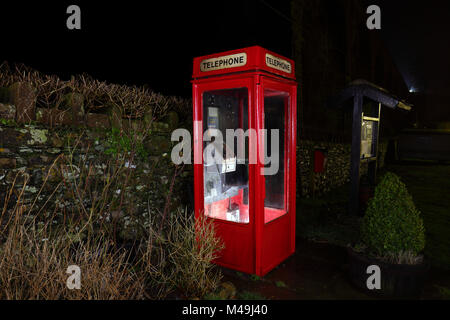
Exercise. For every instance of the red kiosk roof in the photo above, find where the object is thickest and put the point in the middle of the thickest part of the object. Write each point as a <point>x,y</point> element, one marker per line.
<point>253,58</point>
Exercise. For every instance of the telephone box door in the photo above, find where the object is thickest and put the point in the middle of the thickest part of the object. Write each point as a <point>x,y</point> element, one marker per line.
<point>276,225</point>
<point>223,174</point>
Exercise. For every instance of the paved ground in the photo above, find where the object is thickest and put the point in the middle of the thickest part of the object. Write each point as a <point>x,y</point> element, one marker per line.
<point>316,271</point>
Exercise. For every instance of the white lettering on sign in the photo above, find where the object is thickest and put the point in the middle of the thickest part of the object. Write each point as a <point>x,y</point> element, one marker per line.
<point>231,61</point>
<point>278,63</point>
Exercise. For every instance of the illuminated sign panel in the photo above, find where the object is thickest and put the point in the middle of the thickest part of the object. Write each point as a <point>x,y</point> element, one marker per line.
<point>225,62</point>
<point>278,63</point>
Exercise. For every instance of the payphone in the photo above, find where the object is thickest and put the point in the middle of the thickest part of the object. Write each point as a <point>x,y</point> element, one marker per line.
<point>245,118</point>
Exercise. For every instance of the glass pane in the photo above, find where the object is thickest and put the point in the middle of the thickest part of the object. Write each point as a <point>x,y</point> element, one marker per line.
<point>275,105</point>
<point>226,162</point>
<point>368,135</point>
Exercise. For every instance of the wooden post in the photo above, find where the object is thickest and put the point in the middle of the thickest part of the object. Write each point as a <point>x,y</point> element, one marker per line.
<point>356,153</point>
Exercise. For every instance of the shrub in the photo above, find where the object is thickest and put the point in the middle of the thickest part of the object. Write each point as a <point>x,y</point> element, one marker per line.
<point>392,223</point>
<point>131,101</point>
<point>179,258</point>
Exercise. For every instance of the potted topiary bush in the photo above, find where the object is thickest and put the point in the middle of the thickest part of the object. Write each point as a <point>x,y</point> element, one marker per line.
<point>392,238</point>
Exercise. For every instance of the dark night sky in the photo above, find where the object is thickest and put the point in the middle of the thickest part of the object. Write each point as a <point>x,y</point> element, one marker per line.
<point>418,36</point>
<point>130,42</point>
<point>136,43</point>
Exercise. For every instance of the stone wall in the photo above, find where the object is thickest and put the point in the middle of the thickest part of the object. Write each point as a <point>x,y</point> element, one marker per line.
<point>47,155</point>
<point>52,159</point>
<point>336,170</point>
<point>32,138</point>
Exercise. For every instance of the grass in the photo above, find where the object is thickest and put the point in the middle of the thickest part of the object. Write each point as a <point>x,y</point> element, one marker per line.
<point>326,218</point>
<point>429,185</point>
<point>34,256</point>
<point>280,284</point>
<point>247,295</point>
<point>444,292</point>
<point>213,297</point>
<point>39,241</point>
<point>244,295</point>
<point>254,277</point>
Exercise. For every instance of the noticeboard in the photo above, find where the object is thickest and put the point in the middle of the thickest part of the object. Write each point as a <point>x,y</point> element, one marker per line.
<point>367,139</point>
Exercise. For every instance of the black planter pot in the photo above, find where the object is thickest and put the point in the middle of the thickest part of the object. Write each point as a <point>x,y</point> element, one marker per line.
<point>397,280</point>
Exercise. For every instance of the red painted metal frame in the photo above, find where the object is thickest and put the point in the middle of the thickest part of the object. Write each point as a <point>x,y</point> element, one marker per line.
<point>256,247</point>
<point>277,237</point>
<point>239,238</point>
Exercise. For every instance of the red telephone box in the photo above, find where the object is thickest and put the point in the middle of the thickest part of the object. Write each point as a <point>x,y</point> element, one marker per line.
<point>249,97</point>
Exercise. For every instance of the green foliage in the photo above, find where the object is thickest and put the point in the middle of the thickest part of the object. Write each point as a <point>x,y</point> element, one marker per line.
<point>254,277</point>
<point>280,284</point>
<point>247,295</point>
<point>213,296</point>
<point>121,143</point>
<point>444,292</point>
<point>392,223</point>
<point>7,122</point>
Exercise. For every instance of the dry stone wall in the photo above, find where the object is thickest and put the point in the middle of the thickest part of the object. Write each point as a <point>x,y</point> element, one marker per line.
<point>336,170</point>
<point>32,138</point>
<point>47,155</point>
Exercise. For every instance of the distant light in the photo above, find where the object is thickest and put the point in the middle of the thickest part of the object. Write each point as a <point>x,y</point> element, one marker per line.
<point>412,90</point>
